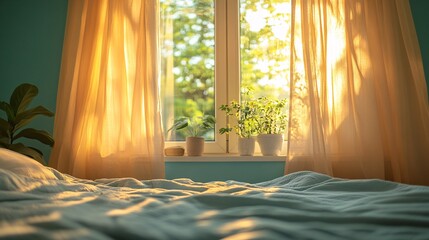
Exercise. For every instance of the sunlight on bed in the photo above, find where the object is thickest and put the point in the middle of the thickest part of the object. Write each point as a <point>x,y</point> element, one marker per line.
<point>235,226</point>
<point>147,203</point>
<point>291,206</point>
<point>67,199</point>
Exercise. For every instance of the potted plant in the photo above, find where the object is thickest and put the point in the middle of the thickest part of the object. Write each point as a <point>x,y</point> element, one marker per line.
<point>245,125</point>
<point>18,116</point>
<point>194,127</point>
<point>272,123</point>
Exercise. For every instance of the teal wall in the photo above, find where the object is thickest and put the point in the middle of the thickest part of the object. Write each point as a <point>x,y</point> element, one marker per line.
<point>420,9</point>
<point>31,38</point>
<point>251,172</point>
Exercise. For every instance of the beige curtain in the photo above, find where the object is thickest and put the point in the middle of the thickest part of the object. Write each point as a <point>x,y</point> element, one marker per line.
<point>107,121</point>
<point>359,106</point>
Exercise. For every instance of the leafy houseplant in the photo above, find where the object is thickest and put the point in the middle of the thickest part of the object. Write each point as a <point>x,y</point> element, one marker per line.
<point>18,116</point>
<point>195,127</point>
<point>245,124</point>
<point>272,123</point>
<point>271,116</point>
<point>245,113</point>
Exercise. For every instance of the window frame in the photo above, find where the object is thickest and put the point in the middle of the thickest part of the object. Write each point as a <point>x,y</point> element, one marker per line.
<point>227,77</point>
<point>220,144</point>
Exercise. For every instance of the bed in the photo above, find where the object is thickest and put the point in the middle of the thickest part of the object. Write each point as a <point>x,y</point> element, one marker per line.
<point>38,202</point>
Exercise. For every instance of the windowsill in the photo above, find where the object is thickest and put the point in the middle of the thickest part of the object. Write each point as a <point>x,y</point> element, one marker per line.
<point>225,158</point>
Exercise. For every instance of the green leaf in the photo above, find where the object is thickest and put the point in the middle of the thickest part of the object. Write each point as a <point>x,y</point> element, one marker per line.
<point>37,150</point>
<point>22,97</point>
<point>180,123</point>
<point>8,110</point>
<point>208,122</point>
<point>225,130</point>
<point>30,152</point>
<point>25,117</point>
<point>40,135</point>
<point>209,119</point>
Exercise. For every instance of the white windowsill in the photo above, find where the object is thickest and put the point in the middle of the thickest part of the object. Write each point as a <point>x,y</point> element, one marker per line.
<point>225,158</point>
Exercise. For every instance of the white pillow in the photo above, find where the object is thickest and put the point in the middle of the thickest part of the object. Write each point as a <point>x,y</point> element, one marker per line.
<point>23,165</point>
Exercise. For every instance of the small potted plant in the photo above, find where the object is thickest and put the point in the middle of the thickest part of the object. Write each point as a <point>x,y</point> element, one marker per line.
<point>194,128</point>
<point>246,123</point>
<point>272,123</point>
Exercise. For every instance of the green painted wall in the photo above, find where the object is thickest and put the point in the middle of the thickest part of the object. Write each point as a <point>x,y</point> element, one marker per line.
<point>31,39</point>
<point>420,9</point>
<point>251,172</point>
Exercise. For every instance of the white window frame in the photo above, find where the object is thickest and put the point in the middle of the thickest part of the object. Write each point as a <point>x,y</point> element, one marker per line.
<point>219,145</point>
<point>227,77</point>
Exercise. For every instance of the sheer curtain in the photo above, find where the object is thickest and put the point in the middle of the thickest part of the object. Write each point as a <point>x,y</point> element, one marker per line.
<point>107,122</point>
<point>359,106</point>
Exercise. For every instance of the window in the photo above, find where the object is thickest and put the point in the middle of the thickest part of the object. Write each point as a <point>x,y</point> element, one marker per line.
<point>211,50</point>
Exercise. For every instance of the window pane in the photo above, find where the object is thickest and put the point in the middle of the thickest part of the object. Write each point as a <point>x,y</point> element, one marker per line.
<point>264,47</point>
<point>187,61</point>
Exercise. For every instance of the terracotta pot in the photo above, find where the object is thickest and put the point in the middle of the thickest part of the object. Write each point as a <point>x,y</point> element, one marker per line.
<point>246,146</point>
<point>270,144</point>
<point>194,146</point>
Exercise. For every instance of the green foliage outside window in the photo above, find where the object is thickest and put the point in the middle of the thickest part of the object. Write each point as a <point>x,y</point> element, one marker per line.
<point>188,54</point>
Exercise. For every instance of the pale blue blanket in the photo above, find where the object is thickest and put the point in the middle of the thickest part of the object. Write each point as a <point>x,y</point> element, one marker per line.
<point>302,205</point>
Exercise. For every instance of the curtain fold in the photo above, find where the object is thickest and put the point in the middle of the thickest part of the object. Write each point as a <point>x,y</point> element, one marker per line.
<point>108,121</point>
<point>359,106</point>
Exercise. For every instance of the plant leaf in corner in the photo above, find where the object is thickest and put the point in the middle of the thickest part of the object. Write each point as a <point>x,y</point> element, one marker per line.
<point>39,135</point>
<point>25,117</point>
<point>22,96</point>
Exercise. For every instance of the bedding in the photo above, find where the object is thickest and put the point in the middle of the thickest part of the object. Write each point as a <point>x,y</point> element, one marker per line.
<point>23,165</point>
<point>302,205</point>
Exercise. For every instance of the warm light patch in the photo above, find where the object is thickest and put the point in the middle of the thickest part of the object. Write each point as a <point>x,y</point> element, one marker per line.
<point>245,223</point>
<point>336,85</point>
<point>72,199</point>
<point>149,202</point>
<point>120,99</point>
<point>208,214</point>
<point>32,186</point>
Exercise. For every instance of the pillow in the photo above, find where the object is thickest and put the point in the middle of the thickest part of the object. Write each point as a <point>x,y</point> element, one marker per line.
<point>23,165</point>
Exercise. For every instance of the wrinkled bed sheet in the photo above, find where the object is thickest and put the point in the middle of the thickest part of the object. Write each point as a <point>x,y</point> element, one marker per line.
<point>303,205</point>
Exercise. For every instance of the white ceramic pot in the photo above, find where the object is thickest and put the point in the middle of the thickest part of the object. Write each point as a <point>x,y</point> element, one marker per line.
<point>194,146</point>
<point>270,144</point>
<point>246,146</point>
